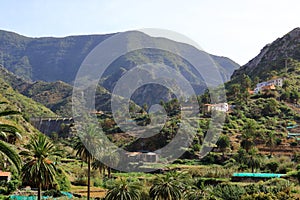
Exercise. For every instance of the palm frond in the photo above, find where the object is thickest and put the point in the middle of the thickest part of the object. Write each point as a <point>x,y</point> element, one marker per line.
<point>11,155</point>
<point>8,113</point>
<point>8,128</point>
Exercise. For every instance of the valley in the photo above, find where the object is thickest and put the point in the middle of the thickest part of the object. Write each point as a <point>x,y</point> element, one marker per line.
<point>44,149</point>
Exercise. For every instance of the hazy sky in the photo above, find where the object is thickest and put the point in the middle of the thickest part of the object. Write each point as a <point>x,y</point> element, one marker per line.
<point>234,28</point>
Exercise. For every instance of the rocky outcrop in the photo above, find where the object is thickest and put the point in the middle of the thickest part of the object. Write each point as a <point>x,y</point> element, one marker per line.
<point>273,56</point>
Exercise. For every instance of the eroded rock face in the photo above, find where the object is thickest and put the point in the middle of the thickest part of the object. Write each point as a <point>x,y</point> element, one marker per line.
<point>273,55</point>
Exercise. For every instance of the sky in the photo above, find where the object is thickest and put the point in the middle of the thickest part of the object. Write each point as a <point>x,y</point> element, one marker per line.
<point>237,29</point>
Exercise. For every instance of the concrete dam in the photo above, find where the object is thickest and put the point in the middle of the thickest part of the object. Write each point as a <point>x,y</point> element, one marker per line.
<point>50,126</point>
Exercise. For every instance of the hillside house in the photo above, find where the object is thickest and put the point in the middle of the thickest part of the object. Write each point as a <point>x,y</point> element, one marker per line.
<point>223,107</point>
<point>268,85</point>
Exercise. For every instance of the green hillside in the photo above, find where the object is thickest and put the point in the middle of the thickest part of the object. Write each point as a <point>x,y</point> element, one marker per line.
<point>28,107</point>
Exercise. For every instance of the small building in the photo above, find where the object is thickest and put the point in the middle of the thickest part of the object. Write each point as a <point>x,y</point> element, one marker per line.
<point>145,157</point>
<point>270,83</point>
<point>5,176</point>
<point>223,107</point>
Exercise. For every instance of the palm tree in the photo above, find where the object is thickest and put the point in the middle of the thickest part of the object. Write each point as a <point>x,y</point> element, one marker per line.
<point>248,134</point>
<point>86,145</point>
<point>111,157</point>
<point>271,141</point>
<point>166,187</point>
<point>196,192</point>
<point>235,88</point>
<point>39,169</point>
<point>11,154</point>
<point>123,190</point>
<point>97,164</point>
<point>9,133</point>
<point>253,160</point>
<point>223,143</point>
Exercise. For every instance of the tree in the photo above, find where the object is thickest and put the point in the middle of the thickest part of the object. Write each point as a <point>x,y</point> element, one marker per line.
<point>166,187</point>
<point>235,89</point>
<point>271,108</point>
<point>112,157</point>
<point>246,82</point>
<point>9,133</point>
<point>39,169</point>
<point>97,164</point>
<point>11,154</point>
<point>285,96</point>
<point>205,98</point>
<point>124,190</point>
<point>248,134</point>
<point>295,96</point>
<point>255,81</point>
<point>223,143</point>
<point>86,144</point>
<point>253,160</point>
<point>196,192</point>
<point>271,141</point>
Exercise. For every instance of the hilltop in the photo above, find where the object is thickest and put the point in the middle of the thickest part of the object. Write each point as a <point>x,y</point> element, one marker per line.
<point>275,59</point>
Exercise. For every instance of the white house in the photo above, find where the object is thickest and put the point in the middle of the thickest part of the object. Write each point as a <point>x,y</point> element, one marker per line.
<point>277,82</point>
<point>223,107</point>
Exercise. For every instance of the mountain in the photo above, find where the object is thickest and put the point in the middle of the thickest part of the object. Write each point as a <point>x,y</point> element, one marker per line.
<point>275,59</point>
<point>56,96</point>
<point>48,59</point>
<point>58,59</point>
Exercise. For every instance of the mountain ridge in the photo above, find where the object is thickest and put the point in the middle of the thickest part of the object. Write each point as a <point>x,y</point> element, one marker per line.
<point>272,56</point>
<point>50,58</point>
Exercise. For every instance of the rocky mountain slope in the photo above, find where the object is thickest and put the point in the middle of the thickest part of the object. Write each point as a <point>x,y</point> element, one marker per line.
<point>56,96</point>
<point>57,60</point>
<point>274,58</point>
<point>53,59</point>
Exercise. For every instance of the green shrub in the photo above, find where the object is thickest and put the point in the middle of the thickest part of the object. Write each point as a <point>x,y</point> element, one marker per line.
<point>196,147</point>
<point>3,190</point>
<point>2,197</point>
<point>108,183</point>
<point>293,144</point>
<point>229,192</point>
<point>258,196</point>
<point>98,182</point>
<point>63,181</point>
<point>272,166</point>
<point>52,193</point>
<point>82,182</point>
